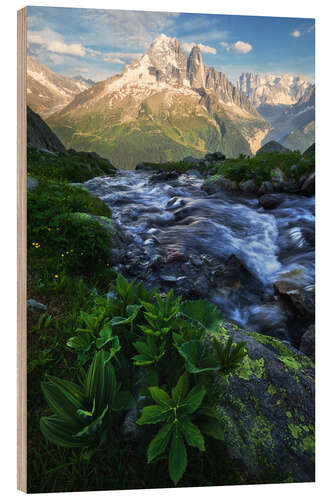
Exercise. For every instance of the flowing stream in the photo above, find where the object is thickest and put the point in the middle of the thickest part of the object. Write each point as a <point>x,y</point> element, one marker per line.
<point>223,247</point>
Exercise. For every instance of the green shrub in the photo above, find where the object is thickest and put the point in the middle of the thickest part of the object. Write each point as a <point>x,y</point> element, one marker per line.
<point>156,348</point>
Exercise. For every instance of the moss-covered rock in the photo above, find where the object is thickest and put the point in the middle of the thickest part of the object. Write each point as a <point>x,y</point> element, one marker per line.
<point>266,408</point>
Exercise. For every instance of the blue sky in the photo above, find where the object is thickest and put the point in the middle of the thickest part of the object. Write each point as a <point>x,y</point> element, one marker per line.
<point>99,43</point>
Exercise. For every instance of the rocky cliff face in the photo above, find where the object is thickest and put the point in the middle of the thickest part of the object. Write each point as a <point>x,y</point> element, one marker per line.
<point>40,135</point>
<point>272,89</point>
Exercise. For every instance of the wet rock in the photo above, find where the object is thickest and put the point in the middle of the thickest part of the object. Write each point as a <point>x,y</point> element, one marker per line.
<point>287,187</point>
<point>201,287</point>
<point>168,278</point>
<point>164,176</point>
<point>248,186</point>
<point>307,344</point>
<point>156,261</point>
<point>217,156</point>
<point>270,201</point>
<point>32,183</point>
<point>143,166</point>
<point>174,255</point>
<point>266,408</point>
<point>33,304</point>
<point>308,186</point>
<point>175,202</point>
<point>300,300</point>
<point>191,160</point>
<point>266,188</point>
<point>233,274</point>
<point>196,261</point>
<point>194,172</point>
<point>217,184</point>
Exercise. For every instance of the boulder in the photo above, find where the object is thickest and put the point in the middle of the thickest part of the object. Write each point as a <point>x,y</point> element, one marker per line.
<point>286,187</point>
<point>248,187</point>
<point>272,146</point>
<point>266,408</point>
<point>266,188</point>
<point>32,183</point>
<point>216,184</point>
<point>164,175</point>
<point>270,201</point>
<point>300,300</point>
<point>143,166</point>
<point>308,186</point>
<point>33,304</point>
<point>307,344</point>
<point>217,156</point>
<point>191,160</point>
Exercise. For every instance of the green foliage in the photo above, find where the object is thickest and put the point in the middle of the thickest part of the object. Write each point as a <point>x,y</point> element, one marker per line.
<point>72,167</point>
<point>230,355</point>
<point>175,411</point>
<point>83,414</point>
<point>259,167</point>
<point>197,359</point>
<point>202,312</point>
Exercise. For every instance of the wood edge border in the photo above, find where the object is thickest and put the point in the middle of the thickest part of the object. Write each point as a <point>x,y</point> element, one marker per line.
<point>21,250</point>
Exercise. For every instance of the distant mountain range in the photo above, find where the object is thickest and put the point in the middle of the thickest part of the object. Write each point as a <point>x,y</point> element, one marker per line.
<point>287,102</point>
<point>48,92</point>
<point>167,105</point>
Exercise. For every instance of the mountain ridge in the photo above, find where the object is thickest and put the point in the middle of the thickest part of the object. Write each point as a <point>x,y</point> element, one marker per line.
<point>165,97</point>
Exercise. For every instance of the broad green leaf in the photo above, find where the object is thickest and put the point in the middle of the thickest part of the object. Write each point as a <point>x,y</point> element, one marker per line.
<point>104,336</point>
<point>192,434</point>
<point>95,380</point>
<point>179,392</point>
<point>159,442</point>
<point>62,401</point>
<point>202,312</point>
<point>80,342</point>
<point>143,360</point>
<point>193,400</point>
<point>132,311</point>
<point>212,427</point>
<point>152,415</point>
<point>94,426</point>
<point>197,359</point>
<point>160,397</point>
<point>58,432</point>
<point>177,456</point>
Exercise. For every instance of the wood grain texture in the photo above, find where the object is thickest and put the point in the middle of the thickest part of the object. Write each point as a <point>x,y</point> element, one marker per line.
<point>21,250</point>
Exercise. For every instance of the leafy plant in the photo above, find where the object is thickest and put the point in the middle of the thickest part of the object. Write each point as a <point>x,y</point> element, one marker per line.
<point>176,411</point>
<point>149,351</point>
<point>230,355</point>
<point>202,312</point>
<point>197,359</point>
<point>160,314</point>
<point>82,415</point>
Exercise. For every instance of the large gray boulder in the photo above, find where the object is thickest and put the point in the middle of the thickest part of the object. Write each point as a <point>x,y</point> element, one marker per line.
<point>266,408</point>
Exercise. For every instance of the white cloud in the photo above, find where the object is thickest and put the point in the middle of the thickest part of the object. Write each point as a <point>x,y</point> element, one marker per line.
<point>74,49</point>
<point>296,34</point>
<point>81,70</point>
<point>35,38</point>
<point>205,49</point>
<point>113,60</point>
<point>237,47</point>
<point>127,56</point>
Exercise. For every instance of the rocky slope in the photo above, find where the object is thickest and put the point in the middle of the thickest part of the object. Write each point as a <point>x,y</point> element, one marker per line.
<point>40,135</point>
<point>287,102</point>
<point>164,106</point>
<point>47,91</point>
